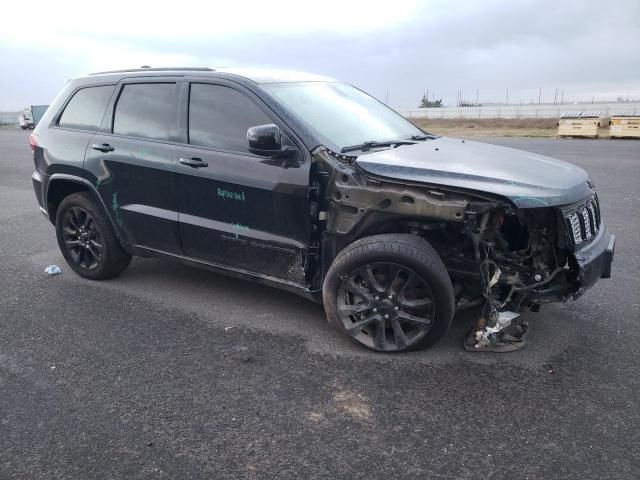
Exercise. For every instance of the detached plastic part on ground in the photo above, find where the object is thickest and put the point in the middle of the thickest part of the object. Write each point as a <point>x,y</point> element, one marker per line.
<point>53,270</point>
<point>502,333</point>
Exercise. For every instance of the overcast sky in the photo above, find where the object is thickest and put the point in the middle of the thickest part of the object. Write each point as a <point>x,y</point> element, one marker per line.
<point>403,47</point>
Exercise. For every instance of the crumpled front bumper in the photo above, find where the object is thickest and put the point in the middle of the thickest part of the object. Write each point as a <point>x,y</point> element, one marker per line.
<point>594,260</point>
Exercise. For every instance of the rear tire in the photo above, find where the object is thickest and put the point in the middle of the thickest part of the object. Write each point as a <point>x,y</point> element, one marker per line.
<point>87,240</point>
<point>389,293</point>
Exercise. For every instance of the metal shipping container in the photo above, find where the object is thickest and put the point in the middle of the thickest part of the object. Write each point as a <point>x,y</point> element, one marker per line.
<point>38,111</point>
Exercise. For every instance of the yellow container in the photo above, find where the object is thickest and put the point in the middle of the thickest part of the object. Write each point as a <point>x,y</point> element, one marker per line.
<point>624,126</point>
<point>579,124</point>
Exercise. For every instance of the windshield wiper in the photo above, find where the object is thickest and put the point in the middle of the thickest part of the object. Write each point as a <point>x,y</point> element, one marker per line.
<point>422,137</point>
<point>365,146</point>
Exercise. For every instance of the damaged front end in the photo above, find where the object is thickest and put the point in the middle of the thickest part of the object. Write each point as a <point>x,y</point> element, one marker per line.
<point>498,256</point>
<point>515,258</point>
<point>527,257</point>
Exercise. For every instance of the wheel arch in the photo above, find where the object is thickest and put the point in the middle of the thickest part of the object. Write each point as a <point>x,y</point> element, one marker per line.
<point>61,185</point>
<point>376,224</point>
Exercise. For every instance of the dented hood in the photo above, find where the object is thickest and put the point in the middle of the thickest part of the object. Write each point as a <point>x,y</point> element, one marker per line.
<point>527,179</point>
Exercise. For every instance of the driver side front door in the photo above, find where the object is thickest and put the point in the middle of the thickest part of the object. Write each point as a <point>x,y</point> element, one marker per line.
<point>236,209</point>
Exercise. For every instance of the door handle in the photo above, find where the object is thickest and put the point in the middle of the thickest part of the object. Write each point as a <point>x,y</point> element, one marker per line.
<point>193,162</point>
<point>103,147</point>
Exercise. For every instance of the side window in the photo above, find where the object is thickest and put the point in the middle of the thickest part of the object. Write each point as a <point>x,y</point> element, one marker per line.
<point>86,108</point>
<point>220,116</point>
<point>145,110</point>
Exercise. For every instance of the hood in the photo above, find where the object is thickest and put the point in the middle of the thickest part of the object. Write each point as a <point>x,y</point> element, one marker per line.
<point>527,179</point>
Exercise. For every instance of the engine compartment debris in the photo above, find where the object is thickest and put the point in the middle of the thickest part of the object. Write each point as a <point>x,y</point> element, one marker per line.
<point>503,332</point>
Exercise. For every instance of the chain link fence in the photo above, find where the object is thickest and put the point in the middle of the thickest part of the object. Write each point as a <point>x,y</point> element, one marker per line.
<point>522,111</point>
<point>9,118</point>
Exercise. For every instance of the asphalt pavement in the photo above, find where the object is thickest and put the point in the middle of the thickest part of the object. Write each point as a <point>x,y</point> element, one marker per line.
<point>173,372</point>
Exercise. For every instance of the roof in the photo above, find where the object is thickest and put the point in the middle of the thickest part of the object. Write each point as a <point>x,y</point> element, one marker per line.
<point>256,75</point>
<point>625,114</point>
<point>266,75</point>
<point>159,69</point>
<point>580,115</point>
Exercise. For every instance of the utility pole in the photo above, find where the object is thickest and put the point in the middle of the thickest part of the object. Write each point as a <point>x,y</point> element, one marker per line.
<point>539,95</point>
<point>562,97</point>
<point>477,93</point>
<point>555,97</point>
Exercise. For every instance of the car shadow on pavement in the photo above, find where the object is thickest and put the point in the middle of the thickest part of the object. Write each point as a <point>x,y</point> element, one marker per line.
<point>226,302</point>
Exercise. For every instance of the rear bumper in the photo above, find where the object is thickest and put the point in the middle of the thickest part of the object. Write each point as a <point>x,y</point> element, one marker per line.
<point>40,181</point>
<point>594,260</point>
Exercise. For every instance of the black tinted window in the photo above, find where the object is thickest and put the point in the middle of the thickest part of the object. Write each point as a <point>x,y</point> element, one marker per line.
<point>86,108</point>
<point>144,110</point>
<point>220,116</point>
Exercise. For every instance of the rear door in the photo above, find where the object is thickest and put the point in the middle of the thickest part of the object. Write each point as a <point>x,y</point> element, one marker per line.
<point>241,210</point>
<point>134,163</point>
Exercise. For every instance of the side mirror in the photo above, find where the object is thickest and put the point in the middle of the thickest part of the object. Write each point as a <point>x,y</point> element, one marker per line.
<point>264,139</point>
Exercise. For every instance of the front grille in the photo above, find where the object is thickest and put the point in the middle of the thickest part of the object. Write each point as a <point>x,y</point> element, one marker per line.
<point>584,221</point>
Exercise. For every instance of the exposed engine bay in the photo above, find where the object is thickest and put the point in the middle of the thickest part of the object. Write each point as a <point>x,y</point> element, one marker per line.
<point>507,260</point>
<point>510,258</point>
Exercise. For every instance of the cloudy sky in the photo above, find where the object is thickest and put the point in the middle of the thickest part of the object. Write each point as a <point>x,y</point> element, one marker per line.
<point>394,48</point>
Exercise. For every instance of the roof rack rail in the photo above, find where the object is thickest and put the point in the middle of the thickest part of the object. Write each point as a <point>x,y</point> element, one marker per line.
<point>157,69</point>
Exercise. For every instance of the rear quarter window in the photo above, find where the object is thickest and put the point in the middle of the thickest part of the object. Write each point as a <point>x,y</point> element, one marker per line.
<point>145,110</point>
<point>86,108</point>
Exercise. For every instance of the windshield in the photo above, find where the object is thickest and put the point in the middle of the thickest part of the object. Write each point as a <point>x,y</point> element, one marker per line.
<point>340,113</point>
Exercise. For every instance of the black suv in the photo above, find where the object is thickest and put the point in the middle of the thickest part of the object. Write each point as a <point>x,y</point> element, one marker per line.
<point>311,185</point>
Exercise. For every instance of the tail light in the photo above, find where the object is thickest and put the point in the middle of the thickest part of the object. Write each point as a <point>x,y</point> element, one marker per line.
<point>33,141</point>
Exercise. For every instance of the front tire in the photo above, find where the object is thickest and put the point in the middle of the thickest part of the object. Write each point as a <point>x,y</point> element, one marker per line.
<point>389,293</point>
<point>87,239</point>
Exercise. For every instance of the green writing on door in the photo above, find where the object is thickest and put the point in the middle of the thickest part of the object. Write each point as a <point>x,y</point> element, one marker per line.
<point>222,193</point>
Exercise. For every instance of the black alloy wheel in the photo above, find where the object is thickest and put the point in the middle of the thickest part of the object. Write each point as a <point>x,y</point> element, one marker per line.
<point>386,306</point>
<point>87,238</point>
<point>389,292</point>
<point>81,238</point>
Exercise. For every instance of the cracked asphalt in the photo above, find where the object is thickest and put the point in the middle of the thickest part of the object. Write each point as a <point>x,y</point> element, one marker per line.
<point>174,372</point>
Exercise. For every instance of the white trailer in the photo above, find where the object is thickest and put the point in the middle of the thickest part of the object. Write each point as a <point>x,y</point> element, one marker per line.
<point>25,119</point>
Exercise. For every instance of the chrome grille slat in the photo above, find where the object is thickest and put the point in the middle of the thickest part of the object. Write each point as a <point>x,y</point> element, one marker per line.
<point>592,217</point>
<point>596,206</point>
<point>584,221</point>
